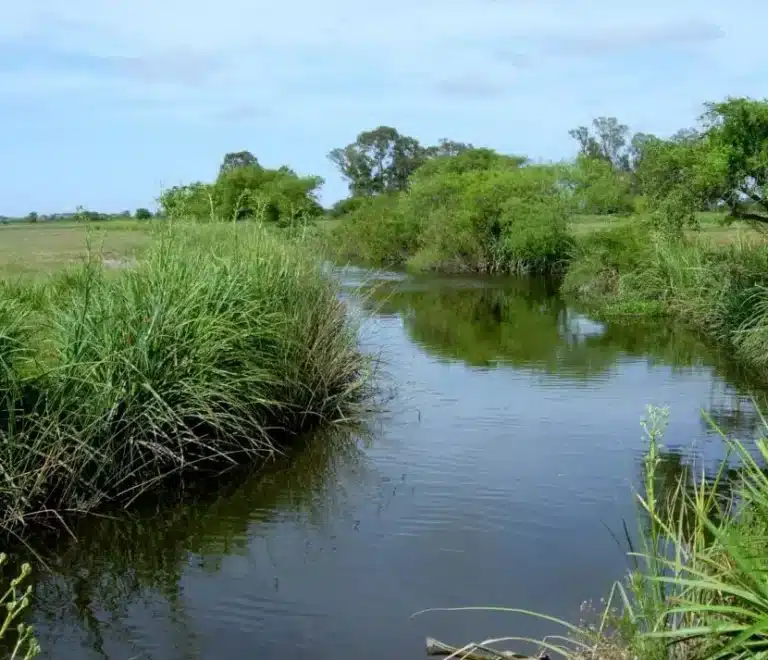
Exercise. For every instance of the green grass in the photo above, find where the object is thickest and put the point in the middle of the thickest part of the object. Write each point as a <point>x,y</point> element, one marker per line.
<point>718,288</point>
<point>216,348</point>
<point>39,248</point>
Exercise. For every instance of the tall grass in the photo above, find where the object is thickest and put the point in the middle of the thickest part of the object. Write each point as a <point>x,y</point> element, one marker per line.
<point>697,589</point>
<point>721,291</point>
<point>222,343</point>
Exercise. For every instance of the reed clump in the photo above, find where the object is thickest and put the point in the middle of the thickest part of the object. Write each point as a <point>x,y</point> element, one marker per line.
<point>220,344</point>
<point>722,291</point>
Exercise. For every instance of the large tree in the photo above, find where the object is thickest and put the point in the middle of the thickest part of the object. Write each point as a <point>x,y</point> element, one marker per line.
<point>736,131</point>
<point>606,140</point>
<point>379,161</point>
<point>236,159</point>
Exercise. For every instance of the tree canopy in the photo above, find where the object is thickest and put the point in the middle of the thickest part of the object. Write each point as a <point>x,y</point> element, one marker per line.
<point>244,189</point>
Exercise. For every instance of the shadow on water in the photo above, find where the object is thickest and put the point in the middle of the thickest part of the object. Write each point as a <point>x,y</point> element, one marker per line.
<point>119,561</point>
<point>525,446</point>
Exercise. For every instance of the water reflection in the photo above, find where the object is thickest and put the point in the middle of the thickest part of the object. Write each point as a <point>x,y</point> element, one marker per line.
<point>523,323</point>
<point>95,584</point>
<point>512,443</point>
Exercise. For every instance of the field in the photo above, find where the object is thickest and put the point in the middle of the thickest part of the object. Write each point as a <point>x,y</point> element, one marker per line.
<point>34,248</point>
<point>713,227</point>
<point>37,248</point>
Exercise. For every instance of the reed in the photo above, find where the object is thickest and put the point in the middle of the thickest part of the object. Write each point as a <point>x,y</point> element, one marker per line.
<point>215,349</point>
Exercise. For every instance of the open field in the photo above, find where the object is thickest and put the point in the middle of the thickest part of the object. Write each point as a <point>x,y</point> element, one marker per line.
<point>43,247</point>
<point>712,226</point>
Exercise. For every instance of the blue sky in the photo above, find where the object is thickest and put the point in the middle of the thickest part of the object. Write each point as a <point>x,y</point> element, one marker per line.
<point>103,103</point>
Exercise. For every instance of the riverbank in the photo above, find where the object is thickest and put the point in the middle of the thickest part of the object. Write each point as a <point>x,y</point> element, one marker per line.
<point>718,289</point>
<point>215,348</point>
<point>714,280</point>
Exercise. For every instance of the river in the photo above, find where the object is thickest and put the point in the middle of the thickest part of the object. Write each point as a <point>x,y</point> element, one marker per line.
<point>499,473</point>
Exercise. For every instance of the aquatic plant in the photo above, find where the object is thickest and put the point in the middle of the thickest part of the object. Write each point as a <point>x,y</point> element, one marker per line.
<point>23,644</point>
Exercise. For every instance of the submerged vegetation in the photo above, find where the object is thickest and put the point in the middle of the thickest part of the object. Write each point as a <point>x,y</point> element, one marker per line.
<point>216,347</point>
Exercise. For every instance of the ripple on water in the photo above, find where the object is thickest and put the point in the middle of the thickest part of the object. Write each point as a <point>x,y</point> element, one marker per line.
<point>511,444</point>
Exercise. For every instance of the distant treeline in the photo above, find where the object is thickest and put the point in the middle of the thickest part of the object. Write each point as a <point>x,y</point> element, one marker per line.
<point>80,215</point>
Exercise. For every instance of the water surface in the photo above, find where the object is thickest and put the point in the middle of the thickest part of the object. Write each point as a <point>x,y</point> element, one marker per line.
<point>504,461</point>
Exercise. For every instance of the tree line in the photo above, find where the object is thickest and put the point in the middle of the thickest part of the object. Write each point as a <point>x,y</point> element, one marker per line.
<point>719,164</point>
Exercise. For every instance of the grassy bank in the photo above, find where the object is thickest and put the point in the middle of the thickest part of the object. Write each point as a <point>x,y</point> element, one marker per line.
<point>216,347</point>
<point>719,288</point>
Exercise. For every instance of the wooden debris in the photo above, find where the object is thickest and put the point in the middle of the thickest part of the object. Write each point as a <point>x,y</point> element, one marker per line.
<point>476,652</point>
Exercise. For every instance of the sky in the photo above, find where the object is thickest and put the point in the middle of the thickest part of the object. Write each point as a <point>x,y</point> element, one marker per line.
<point>104,103</point>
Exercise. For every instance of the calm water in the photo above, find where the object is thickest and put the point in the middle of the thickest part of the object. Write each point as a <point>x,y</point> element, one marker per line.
<point>508,451</point>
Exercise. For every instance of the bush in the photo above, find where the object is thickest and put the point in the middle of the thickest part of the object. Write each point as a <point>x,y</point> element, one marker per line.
<point>376,233</point>
<point>503,219</point>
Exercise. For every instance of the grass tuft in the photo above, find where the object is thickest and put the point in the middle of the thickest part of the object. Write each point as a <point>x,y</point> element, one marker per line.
<point>221,344</point>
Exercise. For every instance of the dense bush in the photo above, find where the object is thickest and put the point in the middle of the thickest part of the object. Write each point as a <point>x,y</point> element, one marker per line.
<point>277,196</point>
<point>478,212</point>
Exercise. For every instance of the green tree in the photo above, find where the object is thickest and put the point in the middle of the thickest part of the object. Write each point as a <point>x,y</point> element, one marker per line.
<point>280,196</point>
<point>32,217</point>
<point>599,188</point>
<point>194,200</point>
<point>379,161</point>
<point>143,214</point>
<point>446,147</point>
<point>736,133</point>
<point>471,159</point>
<point>237,159</point>
<point>607,140</point>
<point>681,176</point>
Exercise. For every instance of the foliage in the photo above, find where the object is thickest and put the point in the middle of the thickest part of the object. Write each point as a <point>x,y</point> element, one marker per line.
<point>721,291</point>
<point>469,159</point>
<point>14,602</point>
<point>143,214</point>
<point>607,141</point>
<point>737,132</point>
<point>244,189</point>
<point>499,220</point>
<point>274,196</point>
<point>376,232</point>
<point>221,343</point>
<point>237,159</point>
<point>193,200</point>
<point>478,211</point>
<point>379,161</point>
<point>346,206</point>
<point>600,188</point>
